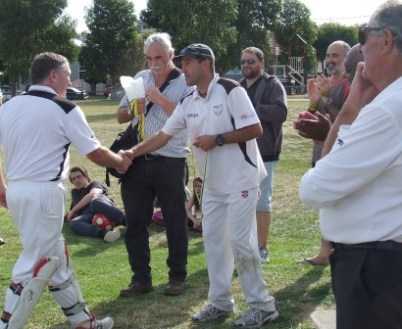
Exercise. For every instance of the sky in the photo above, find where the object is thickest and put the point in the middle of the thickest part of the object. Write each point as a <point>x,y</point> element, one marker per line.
<point>346,12</point>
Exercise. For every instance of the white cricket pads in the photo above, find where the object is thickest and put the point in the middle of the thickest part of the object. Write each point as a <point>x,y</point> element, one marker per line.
<point>33,291</point>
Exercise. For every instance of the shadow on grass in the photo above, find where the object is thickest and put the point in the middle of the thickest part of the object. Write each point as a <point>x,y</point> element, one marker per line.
<point>102,117</point>
<point>298,300</point>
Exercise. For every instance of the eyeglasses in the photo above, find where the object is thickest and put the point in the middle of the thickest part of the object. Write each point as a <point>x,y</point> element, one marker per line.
<point>248,61</point>
<point>362,32</point>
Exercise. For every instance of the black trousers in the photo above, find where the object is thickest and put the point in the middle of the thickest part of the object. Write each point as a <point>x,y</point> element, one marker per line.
<point>160,177</point>
<point>367,285</point>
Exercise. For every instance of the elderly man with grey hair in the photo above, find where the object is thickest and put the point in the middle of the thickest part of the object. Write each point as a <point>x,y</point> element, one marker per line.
<point>160,174</point>
<point>357,186</point>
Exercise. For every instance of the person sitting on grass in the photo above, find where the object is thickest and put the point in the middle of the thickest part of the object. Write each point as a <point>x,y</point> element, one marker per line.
<point>90,198</point>
<point>193,206</point>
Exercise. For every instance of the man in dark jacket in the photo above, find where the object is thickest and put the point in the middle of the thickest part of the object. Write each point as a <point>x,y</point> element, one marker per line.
<point>269,99</point>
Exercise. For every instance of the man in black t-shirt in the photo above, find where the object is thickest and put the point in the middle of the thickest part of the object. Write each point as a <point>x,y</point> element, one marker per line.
<point>88,199</point>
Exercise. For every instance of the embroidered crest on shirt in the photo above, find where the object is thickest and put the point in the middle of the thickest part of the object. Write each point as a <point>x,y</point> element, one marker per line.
<point>244,194</point>
<point>217,109</point>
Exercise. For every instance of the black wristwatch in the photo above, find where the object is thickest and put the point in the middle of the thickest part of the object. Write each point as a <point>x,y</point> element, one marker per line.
<point>219,140</point>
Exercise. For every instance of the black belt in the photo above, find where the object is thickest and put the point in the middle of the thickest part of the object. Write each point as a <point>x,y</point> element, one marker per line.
<point>149,157</point>
<point>382,245</point>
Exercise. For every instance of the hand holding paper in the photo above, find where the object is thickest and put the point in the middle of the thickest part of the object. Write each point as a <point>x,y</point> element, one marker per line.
<point>134,88</point>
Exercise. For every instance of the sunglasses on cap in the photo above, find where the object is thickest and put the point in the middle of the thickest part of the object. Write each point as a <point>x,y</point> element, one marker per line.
<point>364,29</point>
<point>248,61</point>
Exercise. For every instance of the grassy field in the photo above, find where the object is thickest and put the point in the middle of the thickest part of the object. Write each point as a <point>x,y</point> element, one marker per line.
<point>102,269</point>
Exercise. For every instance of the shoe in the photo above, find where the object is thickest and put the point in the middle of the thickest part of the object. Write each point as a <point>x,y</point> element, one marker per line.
<point>210,312</point>
<point>255,318</point>
<point>112,235</point>
<point>174,288</point>
<point>264,255</point>
<point>136,288</point>
<point>105,323</point>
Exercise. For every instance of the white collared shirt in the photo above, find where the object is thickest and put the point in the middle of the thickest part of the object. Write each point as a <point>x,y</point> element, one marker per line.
<point>225,168</point>
<point>358,185</point>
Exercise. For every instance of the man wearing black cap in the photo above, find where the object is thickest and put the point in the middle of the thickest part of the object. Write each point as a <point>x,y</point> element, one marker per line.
<point>222,126</point>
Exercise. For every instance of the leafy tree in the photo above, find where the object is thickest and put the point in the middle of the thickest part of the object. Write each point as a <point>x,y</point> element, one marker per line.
<point>295,20</point>
<point>330,32</point>
<point>31,27</point>
<point>255,19</point>
<point>112,46</point>
<point>189,21</point>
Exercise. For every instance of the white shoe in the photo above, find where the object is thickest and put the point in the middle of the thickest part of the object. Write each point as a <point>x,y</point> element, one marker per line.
<point>255,318</point>
<point>210,312</point>
<point>105,323</point>
<point>112,235</point>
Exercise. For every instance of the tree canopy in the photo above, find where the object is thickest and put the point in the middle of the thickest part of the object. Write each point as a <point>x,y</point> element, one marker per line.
<point>190,21</point>
<point>294,24</point>
<point>254,21</point>
<point>30,27</point>
<point>330,32</point>
<point>112,46</point>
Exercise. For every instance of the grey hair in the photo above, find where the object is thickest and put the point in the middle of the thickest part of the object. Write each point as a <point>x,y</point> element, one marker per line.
<point>162,39</point>
<point>388,15</point>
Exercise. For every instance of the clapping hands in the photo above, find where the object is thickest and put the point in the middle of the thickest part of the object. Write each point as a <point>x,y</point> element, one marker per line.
<point>313,126</point>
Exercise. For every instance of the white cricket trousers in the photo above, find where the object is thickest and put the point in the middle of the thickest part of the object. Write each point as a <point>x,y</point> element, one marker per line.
<point>37,209</point>
<point>230,239</point>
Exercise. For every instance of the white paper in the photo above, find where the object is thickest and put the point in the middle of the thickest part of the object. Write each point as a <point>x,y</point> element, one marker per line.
<point>134,88</point>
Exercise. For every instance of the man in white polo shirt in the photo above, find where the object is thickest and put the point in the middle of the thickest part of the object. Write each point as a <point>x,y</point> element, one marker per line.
<point>222,126</point>
<point>36,130</point>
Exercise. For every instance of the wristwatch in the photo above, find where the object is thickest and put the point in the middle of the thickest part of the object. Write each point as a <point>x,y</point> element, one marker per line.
<point>219,140</point>
<point>327,101</point>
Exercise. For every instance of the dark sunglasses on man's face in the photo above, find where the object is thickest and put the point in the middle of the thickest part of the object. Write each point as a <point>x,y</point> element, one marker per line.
<point>248,61</point>
<point>364,29</point>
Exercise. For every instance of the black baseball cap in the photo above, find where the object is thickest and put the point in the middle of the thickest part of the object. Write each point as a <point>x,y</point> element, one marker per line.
<point>198,50</point>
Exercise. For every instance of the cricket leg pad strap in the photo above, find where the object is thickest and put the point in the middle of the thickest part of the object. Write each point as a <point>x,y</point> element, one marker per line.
<point>68,295</point>
<point>22,307</point>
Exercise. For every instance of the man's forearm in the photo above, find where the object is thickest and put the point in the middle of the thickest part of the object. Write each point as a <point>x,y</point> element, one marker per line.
<point>105,158</point>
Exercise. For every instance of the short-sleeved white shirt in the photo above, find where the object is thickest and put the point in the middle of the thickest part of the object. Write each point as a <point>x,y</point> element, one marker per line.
<point>36,130</point>
<point>226,169</point>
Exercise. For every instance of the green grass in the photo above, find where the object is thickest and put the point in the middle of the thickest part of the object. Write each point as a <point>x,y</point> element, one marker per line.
<point>102,269</point>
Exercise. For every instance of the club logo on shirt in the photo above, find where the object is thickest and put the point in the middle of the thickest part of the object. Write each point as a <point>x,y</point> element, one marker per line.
<point>192,115</point>
<point>217,109</point>
<point>244,194</point>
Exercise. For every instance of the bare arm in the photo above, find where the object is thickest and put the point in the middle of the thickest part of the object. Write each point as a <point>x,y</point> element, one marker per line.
<point>189,209</point>
<point>106,158</point>
<point>3,188</point>
<point>207,142</point>
<point>153,143</point>
<point>156,97</point>
<point>123,114</point>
